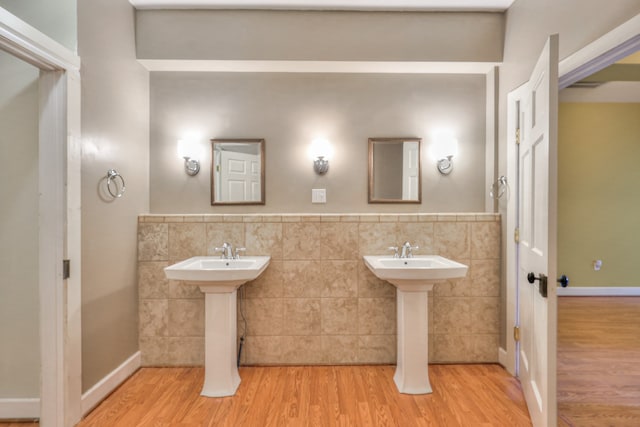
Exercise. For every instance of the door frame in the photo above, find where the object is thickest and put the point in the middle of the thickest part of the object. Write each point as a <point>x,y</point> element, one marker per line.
<point>614,45</point>
<point>59,216</point>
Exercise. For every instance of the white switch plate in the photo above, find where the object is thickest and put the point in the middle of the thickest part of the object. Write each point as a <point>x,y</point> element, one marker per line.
<point>318,195</point>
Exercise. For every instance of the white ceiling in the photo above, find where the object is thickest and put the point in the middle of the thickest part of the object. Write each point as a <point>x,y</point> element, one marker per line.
<point>395,5</point>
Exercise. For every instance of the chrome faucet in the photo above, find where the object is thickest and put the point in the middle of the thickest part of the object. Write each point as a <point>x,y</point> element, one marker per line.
<point>227,251</point>
<point>407,250</point>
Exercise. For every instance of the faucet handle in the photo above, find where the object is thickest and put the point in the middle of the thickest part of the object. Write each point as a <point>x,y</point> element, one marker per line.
<point>221,250</point>
<point>395,251</point>
<point>236,255</point>
<point>410,250</point>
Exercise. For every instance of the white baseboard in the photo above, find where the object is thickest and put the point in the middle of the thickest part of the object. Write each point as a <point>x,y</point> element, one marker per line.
<point>19,409</point>
<point>601,291</point>
<point>105,386</point>
<point>502,357</point>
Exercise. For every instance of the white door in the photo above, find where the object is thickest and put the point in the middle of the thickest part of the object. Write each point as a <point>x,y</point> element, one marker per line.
<point>240,177</point>
<point>410,170</point>
<point>537,228</point>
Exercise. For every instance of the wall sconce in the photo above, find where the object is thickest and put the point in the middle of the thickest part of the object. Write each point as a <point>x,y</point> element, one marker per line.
<point>443,149</point>
<point>191,152</point>
<point>321,153</point>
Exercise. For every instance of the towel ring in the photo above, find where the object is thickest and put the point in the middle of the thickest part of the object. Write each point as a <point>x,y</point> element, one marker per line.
<point>112,174</point>
<point>498,188</point>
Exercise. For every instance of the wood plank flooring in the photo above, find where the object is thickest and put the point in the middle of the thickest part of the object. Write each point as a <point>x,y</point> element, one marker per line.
<point>464,395</point>
<point>598,385</point>
<point>598,361</point>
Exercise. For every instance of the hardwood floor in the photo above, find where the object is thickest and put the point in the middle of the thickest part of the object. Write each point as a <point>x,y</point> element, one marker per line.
<point>598,385</point>
<point>598,355</point>
<point>464,395</point>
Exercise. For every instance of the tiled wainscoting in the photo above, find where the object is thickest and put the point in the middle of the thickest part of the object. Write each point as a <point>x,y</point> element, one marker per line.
<point>317,303</point>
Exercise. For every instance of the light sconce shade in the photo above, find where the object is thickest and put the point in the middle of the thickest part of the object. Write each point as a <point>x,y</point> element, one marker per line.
<point>444,148</point>
<point>321,153</point>
<point>191,152</point>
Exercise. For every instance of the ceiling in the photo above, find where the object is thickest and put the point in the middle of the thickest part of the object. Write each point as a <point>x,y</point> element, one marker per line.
<point>392,5</point>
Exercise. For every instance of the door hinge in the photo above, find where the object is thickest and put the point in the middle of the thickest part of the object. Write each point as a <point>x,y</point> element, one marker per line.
<point>66,269</point>
<point>516,235</point>
<point>518,136</point>
<point>516,334</point>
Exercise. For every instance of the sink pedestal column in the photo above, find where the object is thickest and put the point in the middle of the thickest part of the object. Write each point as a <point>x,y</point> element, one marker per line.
<point>412,370</point>
<point>221,376</point>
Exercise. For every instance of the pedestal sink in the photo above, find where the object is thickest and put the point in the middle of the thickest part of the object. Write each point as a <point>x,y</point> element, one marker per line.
<point>219,279</point>
<point>413,278</point>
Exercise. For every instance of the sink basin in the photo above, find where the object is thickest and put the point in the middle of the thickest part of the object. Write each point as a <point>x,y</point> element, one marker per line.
<point>219,279</point>
<point>217,273</point>
<point>415,273</point>
<point>414,278</point>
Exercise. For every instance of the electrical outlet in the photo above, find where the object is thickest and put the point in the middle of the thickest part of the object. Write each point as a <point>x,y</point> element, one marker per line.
<point>318,195</point>
<point>597,264</point>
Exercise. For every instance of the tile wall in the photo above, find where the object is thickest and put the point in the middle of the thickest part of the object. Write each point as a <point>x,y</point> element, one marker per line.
<point>317,303</point>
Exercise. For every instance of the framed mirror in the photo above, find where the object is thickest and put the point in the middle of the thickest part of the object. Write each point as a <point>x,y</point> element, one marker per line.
<point>395,170</point>
<point>237,172</point>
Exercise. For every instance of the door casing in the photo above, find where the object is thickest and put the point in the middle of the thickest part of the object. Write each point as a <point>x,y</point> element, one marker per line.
<point>59,216</point>
<point>616,44</point>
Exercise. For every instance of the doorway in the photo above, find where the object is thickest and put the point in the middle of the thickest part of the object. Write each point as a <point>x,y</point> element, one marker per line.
<point>19,296</point>
<point>610,48</point>
<point>598,207</point>
<point>56,208</point>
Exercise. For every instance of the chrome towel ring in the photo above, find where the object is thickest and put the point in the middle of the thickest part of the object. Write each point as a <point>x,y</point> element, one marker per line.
<point>499,188</point>
<point>112,174</point>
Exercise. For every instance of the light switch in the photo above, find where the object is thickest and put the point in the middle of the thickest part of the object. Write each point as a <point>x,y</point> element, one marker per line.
<point>318,195</point>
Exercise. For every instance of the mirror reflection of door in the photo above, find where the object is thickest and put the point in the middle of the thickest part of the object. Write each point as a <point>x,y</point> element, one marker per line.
<point>410,170</point>
<point>237,175</point>
<point>394,170</point>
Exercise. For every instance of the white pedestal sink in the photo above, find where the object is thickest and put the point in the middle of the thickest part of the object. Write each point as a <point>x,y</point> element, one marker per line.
<point>219,279</point>
<point>413,278</point>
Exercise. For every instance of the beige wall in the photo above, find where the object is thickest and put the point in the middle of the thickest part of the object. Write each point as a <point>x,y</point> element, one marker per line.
<point>290,110</point>
<point>57,19</point>
<point>599,193</point>
<point>115,119</point>
<point>317,303</point>
<point>319,36</point>
<point>19,306</point>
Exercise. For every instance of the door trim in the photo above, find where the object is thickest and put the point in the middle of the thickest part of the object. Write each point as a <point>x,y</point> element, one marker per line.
<point>59,207</point>
<point>602,52</point>
<point>599,291</point>
<point>611,46</point>
<point>511,250</point>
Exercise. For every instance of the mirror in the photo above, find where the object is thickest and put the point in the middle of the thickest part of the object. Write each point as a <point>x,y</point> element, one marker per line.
<point>237,172</point>
<point>394,170</point>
